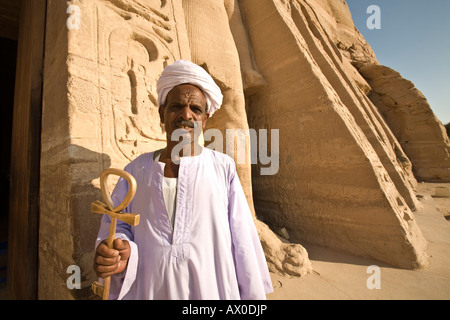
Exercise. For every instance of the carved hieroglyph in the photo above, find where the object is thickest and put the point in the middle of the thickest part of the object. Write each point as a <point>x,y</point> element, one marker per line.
<point>133,93</point>
<point>139,40</point>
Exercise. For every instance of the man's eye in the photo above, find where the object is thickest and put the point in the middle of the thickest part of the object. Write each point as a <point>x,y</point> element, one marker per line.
<point>175,107</point>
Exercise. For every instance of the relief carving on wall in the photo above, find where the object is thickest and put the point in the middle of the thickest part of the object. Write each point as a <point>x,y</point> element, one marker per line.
<point>137,54</point>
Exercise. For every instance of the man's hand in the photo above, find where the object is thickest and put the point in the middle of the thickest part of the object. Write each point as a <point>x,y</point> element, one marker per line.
<point>111,261</point>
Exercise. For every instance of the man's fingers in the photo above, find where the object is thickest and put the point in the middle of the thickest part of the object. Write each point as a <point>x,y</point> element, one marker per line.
<point>124,248</point>
<point>111,261</point>
<point>104,271</point>
<point>104,251</point>
<point>106,261</point>
<point>120,244</point>
<point>104,267</point>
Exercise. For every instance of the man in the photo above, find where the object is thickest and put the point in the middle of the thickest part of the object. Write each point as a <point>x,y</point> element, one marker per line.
<point>196,238</point>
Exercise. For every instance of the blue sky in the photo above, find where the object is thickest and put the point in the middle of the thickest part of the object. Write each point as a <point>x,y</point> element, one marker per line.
<point>414,39</point>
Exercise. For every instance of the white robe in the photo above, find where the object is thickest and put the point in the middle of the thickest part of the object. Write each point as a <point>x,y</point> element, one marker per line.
<point>213,251</point>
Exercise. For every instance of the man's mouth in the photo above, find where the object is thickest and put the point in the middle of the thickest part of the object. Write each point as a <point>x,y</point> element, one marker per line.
<point>187,125</point>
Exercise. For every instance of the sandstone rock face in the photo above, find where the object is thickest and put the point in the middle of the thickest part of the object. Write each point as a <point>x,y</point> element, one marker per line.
<point>344,180</point>
<point>347,163</point>
<point>407,112</point>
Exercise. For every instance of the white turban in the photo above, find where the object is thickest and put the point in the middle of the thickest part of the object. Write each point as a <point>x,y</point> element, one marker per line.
<point>186,72</point>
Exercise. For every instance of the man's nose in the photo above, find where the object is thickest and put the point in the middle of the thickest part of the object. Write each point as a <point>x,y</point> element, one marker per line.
<point>186,113</point>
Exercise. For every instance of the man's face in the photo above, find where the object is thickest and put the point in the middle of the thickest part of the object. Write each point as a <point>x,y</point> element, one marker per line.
<point>185,104</point>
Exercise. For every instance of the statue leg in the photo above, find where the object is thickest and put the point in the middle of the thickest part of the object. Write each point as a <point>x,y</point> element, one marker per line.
<point>213,47</point>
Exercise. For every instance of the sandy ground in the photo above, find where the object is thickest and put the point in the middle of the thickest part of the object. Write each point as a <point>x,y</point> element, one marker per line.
<point>341,276</point>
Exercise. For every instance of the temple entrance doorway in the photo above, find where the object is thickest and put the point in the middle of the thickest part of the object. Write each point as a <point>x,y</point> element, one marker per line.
<point>22,30</point>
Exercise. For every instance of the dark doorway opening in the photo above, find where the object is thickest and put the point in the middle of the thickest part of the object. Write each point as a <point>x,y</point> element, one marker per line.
<point>22,36</point>
<point>8,56</point>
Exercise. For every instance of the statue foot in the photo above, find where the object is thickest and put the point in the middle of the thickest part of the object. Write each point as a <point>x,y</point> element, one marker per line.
<point>283,258</point>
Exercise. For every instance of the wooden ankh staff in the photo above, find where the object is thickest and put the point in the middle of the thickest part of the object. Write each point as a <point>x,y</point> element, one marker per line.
<point>115,213</point>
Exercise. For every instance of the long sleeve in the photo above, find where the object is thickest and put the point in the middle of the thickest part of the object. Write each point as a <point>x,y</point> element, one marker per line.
<point>250,263</point>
